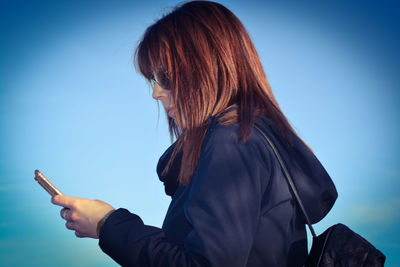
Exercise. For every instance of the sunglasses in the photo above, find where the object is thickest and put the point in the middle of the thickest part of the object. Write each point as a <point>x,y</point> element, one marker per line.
<point>154,81</point>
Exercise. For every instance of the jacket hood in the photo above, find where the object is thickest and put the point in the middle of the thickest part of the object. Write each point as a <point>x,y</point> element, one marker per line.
<point>313,184</point>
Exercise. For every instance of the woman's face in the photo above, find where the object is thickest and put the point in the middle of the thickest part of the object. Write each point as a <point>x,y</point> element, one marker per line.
<point>164,96</point>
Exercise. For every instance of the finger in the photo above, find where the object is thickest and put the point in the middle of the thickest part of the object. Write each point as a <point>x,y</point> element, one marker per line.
<point>78,234</point>
<point>70,225</point>
<point>64,212</point>
<point>63,200</point>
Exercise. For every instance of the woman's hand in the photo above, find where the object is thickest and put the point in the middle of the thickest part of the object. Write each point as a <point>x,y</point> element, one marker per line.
<point>82,215</point>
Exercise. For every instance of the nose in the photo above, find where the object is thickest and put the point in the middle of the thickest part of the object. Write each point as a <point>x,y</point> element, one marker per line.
<point>159,93</point>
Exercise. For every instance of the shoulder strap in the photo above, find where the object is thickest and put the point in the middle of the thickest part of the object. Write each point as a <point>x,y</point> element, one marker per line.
<point>289,180</point>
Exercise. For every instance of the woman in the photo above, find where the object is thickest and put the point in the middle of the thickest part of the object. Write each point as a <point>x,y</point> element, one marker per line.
<point>231,204</point>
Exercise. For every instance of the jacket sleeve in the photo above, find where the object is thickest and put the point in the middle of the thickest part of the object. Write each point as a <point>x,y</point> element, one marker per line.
<point>223,207</point>
<point>129,242</point>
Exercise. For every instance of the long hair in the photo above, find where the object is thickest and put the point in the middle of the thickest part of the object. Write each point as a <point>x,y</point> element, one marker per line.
<point>202,53</point>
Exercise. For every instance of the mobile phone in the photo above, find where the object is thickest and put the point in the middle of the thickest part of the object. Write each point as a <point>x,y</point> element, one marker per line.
<point>46,184</point>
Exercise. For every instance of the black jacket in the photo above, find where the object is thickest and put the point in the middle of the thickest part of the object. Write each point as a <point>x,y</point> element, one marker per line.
<point>237,209</point>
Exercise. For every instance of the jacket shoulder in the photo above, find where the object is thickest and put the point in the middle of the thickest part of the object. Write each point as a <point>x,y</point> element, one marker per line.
<point>226,140</point>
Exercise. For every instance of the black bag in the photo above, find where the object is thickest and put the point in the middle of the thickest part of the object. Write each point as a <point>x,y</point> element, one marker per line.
<point>338,246</point>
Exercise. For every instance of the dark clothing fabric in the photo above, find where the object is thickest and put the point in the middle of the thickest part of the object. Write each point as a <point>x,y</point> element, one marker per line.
<point>237,209</point>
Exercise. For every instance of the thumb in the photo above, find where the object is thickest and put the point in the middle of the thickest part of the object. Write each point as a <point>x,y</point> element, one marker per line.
<point>63,200</point>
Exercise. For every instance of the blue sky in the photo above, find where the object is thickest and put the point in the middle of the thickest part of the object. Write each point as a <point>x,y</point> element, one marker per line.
<point>72,106</point>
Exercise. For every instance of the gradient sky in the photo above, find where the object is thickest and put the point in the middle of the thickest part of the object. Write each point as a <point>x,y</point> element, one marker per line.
<point>72,106</point>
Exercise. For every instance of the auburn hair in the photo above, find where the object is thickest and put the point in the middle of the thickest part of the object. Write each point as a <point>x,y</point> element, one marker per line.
<point>202,53</point>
